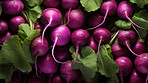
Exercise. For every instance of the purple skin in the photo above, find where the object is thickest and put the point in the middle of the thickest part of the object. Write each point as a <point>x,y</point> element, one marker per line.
<point>79,37</point>
<point>93,44</point>
<point>95,19</point>
<point>3,27</point>
<point>107,8</point>
<point>127,37</point>
<point>12,7</point>
<point>68,73</point>
<point>15,22</point>
<point>139,47</point>
<point>38,25</point>
<point>73,16</point>
<point>141,64</point>
<point>66,4</point>
<point>51,3</point>
<point>38,49</point>
<point>51,17</point>
<point>57,79</point>
<point>125,11</point>
<point>47,64</point>
<point>5,37</point>
<point>62,53</point>
<point>15,77</point>
<point>125,66</point>
<point>136,77</point>
<point>101,35</point>
<point>32,78</point>
<point>119,50</point>
<point>60,36</point>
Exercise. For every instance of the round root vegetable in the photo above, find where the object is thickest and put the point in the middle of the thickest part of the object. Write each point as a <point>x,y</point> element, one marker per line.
<point>62,53</point>
<point>15,22</point>
<point>47,64</point>
<point>127,37</point>
<point>108,8</point>
<point>57,79</point>
<point>5,37</point>
<point>136,77</point>
<point>60,36</point>
<point>16,77</point>
<point>139,47</point>
<point>125,66</point>
<point>79,37</point>
<point>93,44</point>
<point>95,19</point>
<point>3,27</point>
<point>38,49</point>
<point>119,50</point>
<point>73,16</point>
<point>124,11</point>
<point>101,35</point>
<point>51,17</point>
<point>68,73</point>
<point>141,64</point>
<point>69,4</point>
<point>38,25</point>
<point>32,78</point>
<point>12,7</point>
<point>51,3</point>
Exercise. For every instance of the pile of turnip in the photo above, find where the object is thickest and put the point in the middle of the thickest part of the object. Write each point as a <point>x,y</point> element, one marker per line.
<point>45,32</point>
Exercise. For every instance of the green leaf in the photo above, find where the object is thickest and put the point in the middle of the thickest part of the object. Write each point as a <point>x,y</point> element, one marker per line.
<point>24,31</point>
<point>35,13</point>
<point>88,58</point>
<point>26,45</point>
<point>141,19</point>
<point>113,79</point>
<point>123,24</point>
<point>91,5</point>
<point>110,67</point>
<point>140,3</point>
<point>12,51</point>
<point>33,3</point>
<point>0,9</point>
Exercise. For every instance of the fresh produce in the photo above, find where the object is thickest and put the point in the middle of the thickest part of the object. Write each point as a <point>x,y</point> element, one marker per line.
<point>73,41</point>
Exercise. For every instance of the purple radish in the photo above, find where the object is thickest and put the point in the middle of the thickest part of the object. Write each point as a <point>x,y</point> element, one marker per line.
<point>38,49</point>
<point>119,50</point>
<point>62,53</point>
<point>93,44</point>
<point>136,77</point>
<point>15,22</point>
<point>107,8</point>
<point>3,27</point>
<point>68,73</point>
<point>141,64</point>
<point>32,78</point>
<point>127,37</point>
<point>101,35</point>
<point>12,7</point>
<point>69,4</point>
<point>79,37</point>
<point>5,37</point>
<point>51,17</point>
<point>139,47</point>
<point>51,3</point>
<point>125,66</point>
<point>15,77</point>
<point>73,16</point>
<point>57,79</point>
<point>47,64</point>
<point>95,19</point>
<point>60,36</point>
<point>38,25</point>
<point>125,11</point>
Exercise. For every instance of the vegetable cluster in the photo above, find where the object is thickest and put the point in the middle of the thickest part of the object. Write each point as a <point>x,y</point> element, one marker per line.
<point>74,41</point>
